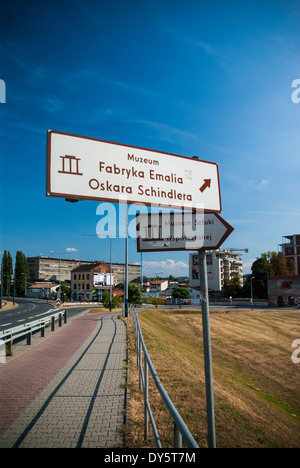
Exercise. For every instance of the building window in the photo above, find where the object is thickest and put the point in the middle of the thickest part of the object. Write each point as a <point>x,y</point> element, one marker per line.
<point>75,286</point>
<point>75,276</point>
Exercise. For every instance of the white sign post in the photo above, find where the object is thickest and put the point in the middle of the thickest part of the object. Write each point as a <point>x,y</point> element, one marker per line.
<point>181,231</point>
<point>81,168</point>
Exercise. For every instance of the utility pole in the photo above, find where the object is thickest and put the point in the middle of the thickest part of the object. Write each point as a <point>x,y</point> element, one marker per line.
<point>251,287</point>
<point>126,265</point>
<point>110,282</point>
<point>1,287</point>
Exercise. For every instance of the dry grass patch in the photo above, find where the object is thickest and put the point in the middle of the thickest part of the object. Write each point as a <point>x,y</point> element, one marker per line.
<point>256,385</point>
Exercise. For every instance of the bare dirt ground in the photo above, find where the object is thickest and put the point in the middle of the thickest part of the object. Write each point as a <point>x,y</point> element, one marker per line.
<point>7,305</point>
<point>256,384</point>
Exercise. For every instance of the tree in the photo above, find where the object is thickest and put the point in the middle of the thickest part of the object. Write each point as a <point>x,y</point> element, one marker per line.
<point>115,300</point>
<point>280,266</point>
<point>65,292</point>
<point>269,264</point>
<point>134,294</point>
<point>232,288</point>
<point>246,289</point>
<point>21,273</point>
<point>181,293</point>
<point>260,272</point>
<point>7,271</point>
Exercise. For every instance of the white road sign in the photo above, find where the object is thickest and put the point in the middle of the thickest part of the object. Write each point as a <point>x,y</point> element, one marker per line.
<point>181,231</point>
<point>82,168</point>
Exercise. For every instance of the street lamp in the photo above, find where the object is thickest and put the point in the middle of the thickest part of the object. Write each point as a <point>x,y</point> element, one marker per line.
<point>1,286</point>
<point>251,287</point>
<point>25,284</point>
<point>8,284</point>
<point>59,256</point>
<point>110,282</point>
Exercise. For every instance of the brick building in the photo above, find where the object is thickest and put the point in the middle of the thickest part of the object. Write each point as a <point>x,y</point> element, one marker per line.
<point>291,249</point>
<point>89,281</point>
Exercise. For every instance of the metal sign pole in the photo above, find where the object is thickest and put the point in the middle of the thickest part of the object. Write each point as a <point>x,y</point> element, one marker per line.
<point>126,266</point>
<point>1,287</point>
<point>207,351</point>
<point>110,282</point>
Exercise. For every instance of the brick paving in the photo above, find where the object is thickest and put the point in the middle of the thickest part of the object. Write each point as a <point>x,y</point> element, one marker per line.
<point>68,391</point>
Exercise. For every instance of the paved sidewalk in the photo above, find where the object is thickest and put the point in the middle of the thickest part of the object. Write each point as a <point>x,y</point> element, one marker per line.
<point>68,391</point>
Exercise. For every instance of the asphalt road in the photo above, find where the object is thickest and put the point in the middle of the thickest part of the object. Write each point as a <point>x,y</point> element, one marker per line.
<point>27,311</point>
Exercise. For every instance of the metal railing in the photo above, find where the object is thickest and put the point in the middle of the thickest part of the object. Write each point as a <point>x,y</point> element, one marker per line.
<point>144,364</point>
<point>27,329</point>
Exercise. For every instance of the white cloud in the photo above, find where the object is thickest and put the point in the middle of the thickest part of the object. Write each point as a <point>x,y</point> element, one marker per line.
<point>165,268</point>
<point>188,39</point>
<point>52,103</point>
<point>275,213</point>
<point>258,185</point>
<point>71,249</point>
<point>247,266</point>
<point>168,133</point>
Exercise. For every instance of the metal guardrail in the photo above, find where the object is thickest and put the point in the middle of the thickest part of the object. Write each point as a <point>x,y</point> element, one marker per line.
<point>180,429</point>
<point>27,329</point>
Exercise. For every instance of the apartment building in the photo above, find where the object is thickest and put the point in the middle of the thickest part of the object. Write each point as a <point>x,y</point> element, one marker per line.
<point>51,268</point>
<point>291,249</point>
<point>55,269</point>
<point>134,271</point>
<point>221,265</point>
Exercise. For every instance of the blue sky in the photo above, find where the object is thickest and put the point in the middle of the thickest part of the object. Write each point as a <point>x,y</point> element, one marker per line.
<point>212,79</point>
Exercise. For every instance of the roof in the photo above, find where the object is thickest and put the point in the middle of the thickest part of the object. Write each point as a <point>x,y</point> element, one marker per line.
<point>91,267</point>
<point>283,277</point>
<point>86,267</point>
<point>43,286</point>
<point>158,281</point>
<point>118,292</point>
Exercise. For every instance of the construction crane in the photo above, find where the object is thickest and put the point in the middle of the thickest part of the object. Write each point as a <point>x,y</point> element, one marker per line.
<point>156,273</point>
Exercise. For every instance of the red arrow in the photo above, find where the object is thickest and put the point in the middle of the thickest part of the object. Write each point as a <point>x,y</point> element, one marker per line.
<point>205,185</point>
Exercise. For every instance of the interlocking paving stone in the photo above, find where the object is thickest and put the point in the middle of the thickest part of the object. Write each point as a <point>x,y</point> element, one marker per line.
<point>75,401</point>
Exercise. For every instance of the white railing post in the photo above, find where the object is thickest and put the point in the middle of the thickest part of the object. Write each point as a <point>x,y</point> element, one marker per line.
<point>180,429</point>
<point>146,397</point>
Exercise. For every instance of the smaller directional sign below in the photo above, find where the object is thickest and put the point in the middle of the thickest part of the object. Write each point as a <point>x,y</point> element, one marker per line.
<point>181,231</point>
<point>58,302</point>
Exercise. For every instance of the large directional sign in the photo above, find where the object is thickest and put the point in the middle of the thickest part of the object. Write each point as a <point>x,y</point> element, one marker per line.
<point>82,168</point>
<point>181,231</point>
